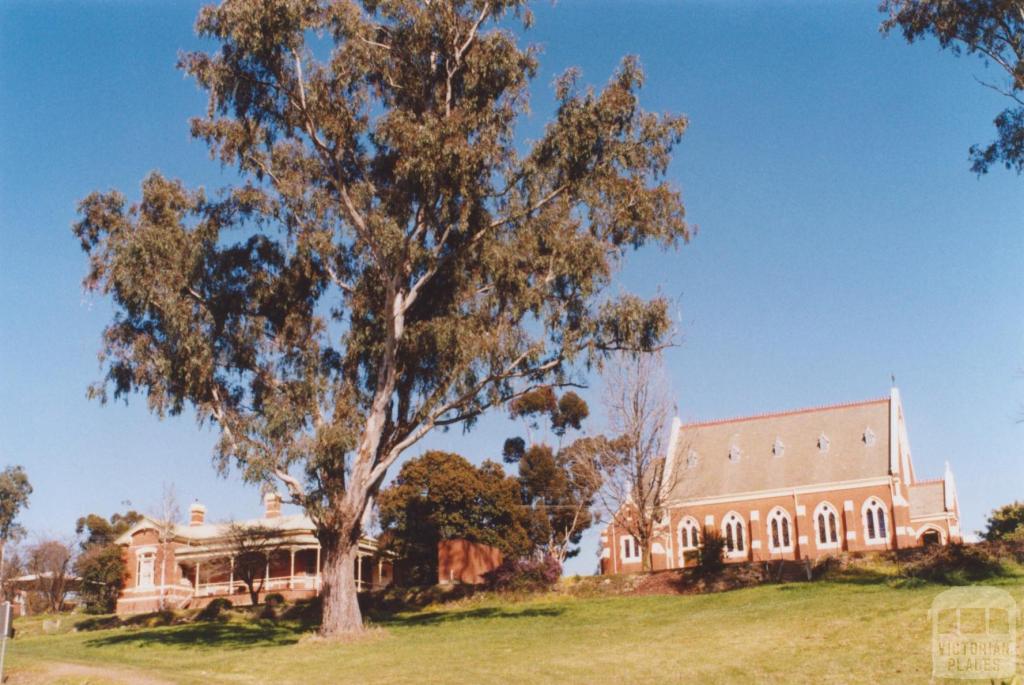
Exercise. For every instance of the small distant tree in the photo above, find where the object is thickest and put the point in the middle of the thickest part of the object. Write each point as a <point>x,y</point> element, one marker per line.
<point>14,492</point>
<point>50,561</point>
<point>991,29</point>
<point>442,496</point>
<point>1006,523</point>
<point>557,487</point>
<point>635,482</point>
<point>13,567</point>
<point>711,556</point>
<point>97,530</point>
<point>100,564</point>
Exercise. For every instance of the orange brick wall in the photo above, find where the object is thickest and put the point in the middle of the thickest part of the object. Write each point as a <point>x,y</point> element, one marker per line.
<point>462,561</point>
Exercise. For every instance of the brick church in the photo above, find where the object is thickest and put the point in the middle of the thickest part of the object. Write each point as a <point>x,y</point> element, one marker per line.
<point>798,484</point>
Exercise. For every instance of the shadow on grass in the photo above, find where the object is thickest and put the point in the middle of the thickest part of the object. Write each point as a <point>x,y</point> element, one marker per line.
<point>859,576</point>
<point>441,617</point>
<point>255,633</point>
<point>222,635</point>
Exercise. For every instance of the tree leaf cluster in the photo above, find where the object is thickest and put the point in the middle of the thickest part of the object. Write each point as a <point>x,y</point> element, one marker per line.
<point>991,29</point>
<point>442,496</point>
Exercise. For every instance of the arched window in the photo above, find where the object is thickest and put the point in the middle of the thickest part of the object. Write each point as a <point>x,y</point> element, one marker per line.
<point>732,531</point>
<point>629,548</point>
<point>689,534</point>
<point>780,531</point>
<point>876,528</point>
<point>826,526</point>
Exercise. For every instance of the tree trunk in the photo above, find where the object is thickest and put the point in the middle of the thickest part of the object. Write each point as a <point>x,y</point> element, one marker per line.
<point>339,595</point>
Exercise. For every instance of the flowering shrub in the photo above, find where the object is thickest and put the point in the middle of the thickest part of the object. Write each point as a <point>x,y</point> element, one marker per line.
<point>528,574</point>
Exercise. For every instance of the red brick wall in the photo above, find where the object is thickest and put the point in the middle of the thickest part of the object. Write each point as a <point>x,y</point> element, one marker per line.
<point>802,532</point>
<point>462,561</point>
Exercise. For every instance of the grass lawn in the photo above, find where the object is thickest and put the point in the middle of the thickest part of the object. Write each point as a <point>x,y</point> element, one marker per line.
<point>858,630</point>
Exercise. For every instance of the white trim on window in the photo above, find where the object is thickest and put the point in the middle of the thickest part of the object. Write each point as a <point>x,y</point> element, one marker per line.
<point>629,548</point>
<point>735,534</point>
<point>779,531</point>
<point>875,519</point>
<point>145,568</point>
<point>688,534</point>
<point>827,533</point>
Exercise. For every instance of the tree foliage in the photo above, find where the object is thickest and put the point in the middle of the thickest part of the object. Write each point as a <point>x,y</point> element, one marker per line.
<point>98,530</point>
<point>557,487</point>
<point>992,29</point>
<point>100,564</point>
<point>1006,523</point>
<point>442,496</point>
<point>390,261</point>
<point>14,493</point>
<point>101,569</point>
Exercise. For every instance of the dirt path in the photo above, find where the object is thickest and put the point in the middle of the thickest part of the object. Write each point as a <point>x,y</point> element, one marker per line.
<point>48,672</point>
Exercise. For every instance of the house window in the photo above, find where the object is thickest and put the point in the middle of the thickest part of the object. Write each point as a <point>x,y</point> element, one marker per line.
<point>869,437</point>
<point>630,548</point>
<point>875,522</point>
<point>780,531</point>
<point>146,562</point>
<point>734,454</point>
<point>779,448</point>
<point>689,534</point>
<point>691,460</point>
<point>826,524</point>
<point>732,531</point>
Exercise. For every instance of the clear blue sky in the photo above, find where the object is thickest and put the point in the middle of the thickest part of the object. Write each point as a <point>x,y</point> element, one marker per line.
<point>841,237</point>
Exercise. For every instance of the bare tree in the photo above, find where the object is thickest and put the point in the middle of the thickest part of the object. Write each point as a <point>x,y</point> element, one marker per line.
<point>165,515</point>
<point>49,563</point>
<point>250,549</point>
<point>636,483</point>
<point>11,567</point>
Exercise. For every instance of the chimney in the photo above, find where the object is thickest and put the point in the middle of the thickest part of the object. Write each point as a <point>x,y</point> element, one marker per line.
<point>196,514</point>
<point>272,505</point>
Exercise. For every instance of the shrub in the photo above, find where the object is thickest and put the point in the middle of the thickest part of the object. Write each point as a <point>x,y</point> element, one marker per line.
<point>955,564</point>
<point>827,567</point>
<point>524,575</point>
<point>274,599</point>
<point>215,608</point>
<point>711,559</point>
<point>1006,522</point>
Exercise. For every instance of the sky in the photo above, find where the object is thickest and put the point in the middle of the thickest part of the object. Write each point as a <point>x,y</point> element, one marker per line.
<point>841,236</point>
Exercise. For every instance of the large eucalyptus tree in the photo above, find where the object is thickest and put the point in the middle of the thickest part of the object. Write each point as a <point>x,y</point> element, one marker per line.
<point>390,262</point>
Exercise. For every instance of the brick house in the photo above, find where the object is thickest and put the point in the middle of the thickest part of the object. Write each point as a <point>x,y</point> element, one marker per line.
<point>798,484</point>
<point>193,565</point>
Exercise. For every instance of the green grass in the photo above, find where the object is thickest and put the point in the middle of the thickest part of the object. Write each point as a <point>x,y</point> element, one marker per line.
<point>863,628</point>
